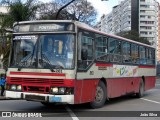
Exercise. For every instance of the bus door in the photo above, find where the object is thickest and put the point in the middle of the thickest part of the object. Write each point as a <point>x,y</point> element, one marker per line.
<point>84,64</point>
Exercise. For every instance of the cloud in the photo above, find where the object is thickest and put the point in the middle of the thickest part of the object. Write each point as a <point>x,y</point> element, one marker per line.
<point>100,6</point>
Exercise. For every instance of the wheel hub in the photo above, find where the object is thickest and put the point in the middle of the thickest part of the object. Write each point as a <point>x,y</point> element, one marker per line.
<point>99,94</point>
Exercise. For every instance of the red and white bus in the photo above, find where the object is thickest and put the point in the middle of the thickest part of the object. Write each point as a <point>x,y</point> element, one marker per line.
<point>69,62</point>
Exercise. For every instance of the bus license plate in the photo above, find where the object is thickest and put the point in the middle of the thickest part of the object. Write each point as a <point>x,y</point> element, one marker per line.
<point>56,99</point>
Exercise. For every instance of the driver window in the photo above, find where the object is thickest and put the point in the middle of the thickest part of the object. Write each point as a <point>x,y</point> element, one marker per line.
<point>86,51</point>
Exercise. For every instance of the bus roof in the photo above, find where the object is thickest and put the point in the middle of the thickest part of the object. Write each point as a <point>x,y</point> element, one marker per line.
<point>43,21</point>
<point>84,26</point>
<point>87,27</point>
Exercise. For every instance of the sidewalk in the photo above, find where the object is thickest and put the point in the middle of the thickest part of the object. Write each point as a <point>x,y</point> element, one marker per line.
<point>4,98</point>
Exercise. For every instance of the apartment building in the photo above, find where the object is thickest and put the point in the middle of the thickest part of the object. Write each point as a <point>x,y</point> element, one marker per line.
<point>137,15</point>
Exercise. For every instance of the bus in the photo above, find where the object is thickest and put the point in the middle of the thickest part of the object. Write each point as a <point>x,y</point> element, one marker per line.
<point>65,61</point>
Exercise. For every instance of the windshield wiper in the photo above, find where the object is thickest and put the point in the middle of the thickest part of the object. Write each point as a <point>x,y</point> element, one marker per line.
<point>23,62</point>
<point>46,60</point>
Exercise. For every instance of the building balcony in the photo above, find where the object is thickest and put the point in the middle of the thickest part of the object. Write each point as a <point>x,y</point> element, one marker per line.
<point>144,35</point>
<point>148,19</point>
<point>147,3</point>
<point>148,13</point>
<point>147,30</point>
<point>149,25</point>
<point>149,9</point>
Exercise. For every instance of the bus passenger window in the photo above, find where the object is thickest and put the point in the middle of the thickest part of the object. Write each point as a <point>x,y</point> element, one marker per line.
<point>101,48</point>
<point>142,55</point>
<point>134,53</point>
<point>115,50</point>
<point>126,52</point>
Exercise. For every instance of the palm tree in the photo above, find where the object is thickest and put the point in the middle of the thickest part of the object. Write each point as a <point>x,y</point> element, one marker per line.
<point>18,11</point>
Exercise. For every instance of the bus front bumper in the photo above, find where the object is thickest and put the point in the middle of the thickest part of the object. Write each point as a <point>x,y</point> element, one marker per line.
<point>69,99</point>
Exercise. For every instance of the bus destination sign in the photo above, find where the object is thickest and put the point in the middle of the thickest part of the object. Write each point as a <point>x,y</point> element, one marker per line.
<point>44,27</point>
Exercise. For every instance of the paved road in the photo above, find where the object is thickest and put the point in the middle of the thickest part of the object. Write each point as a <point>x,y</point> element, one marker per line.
<point>150,103</point>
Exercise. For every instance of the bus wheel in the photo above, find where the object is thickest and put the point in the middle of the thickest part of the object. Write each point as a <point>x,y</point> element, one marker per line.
<point>100,97</point>
<point>141,90</point>
<point>48,104</point>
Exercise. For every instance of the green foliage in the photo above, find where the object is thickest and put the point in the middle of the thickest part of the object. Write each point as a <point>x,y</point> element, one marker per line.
<point>18,11</point>
<point>80,10</point>
<point>133,35</point>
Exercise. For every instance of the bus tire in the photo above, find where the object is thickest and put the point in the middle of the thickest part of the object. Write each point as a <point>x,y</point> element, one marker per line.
<point>101,95</point>
<point>141,90</point>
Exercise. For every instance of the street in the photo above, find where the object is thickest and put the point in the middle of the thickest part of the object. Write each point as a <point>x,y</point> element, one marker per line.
<point>122,108</point>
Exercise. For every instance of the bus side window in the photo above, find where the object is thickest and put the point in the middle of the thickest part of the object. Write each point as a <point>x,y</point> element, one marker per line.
<point>86,51</point>
<point>101,48</point>
<point>134,53</point>
<point>126,52</point>
<point>142,55</point>
<point>152,56</point>
<point>115,50</point>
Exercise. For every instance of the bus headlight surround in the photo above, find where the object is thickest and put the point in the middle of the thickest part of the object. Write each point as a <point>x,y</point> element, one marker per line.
<point>61,90</point>
<point>13,87</point>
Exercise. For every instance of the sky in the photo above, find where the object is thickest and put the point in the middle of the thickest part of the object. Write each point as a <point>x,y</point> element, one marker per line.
<point>102,7</point>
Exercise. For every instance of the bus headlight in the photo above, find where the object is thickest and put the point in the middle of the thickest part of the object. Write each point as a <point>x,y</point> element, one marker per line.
<point>19,87</point>
<point>61,90</point>
<point>13,87</point>
<point>54,90</point>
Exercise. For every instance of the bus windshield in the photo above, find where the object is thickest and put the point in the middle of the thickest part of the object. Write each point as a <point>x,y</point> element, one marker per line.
<point>43,51</point>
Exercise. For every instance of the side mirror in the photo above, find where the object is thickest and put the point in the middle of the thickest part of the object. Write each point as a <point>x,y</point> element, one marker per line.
<point>84,54</point>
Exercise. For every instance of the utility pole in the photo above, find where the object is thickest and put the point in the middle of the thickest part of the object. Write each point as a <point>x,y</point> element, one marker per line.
<point>63,8</point>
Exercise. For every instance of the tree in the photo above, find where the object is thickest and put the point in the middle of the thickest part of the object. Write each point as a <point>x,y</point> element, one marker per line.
<point>80,10</point>
<point>63,8</point>
<point>133,35</point>
<point>83,11</point>
<point>48,11</point>
<point>18,11</point>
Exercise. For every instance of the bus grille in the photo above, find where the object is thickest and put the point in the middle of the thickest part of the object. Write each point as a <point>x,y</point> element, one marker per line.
<point>35,97</point>
<point>36,81</point>
<point>35,89</point>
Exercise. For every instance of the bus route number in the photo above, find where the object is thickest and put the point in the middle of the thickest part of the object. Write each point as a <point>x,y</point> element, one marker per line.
<point>57,70</point>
